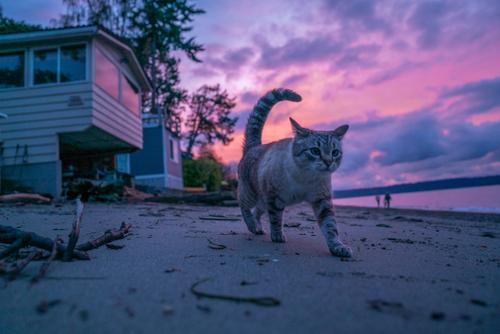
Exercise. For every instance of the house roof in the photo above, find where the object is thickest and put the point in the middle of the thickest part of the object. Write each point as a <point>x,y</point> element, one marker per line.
<point>80,31</point>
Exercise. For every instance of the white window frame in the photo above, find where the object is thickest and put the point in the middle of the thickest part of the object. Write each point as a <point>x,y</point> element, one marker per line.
<point>26,69</point>
<point>58,47</point>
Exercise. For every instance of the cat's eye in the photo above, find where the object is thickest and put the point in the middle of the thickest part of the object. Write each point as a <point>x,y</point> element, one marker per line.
<point>315,151</point>
<point>335,153</point>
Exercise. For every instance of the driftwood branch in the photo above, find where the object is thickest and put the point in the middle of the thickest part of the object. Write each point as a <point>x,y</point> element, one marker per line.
<point>75,231</point>
<point>261,301</point>
<point>45,266</point>
<point>15,246</point>
<point>9,235</point>
<point>12,275</point>
<point>107,237</point>
<point>24,198</point>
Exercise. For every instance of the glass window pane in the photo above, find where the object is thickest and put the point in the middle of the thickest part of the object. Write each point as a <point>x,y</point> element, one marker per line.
<point>12,69</point>
<point>45,66</point>
<point>106,74</point>
<point>130,95</point>
<point>73,63</point>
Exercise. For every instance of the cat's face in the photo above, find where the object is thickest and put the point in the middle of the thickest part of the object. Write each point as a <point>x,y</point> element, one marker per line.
<point>318,151</point>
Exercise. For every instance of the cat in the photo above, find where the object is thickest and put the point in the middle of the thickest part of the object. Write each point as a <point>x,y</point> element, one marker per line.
<point>289,171</point>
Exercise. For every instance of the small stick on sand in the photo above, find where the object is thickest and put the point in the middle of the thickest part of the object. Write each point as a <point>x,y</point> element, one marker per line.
<point>75,231</point>
<point>107,237</point>
<point>45,266</point>
<point>261,301</point>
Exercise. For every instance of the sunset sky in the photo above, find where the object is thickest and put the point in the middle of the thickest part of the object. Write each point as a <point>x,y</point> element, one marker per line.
<point>418,82</point>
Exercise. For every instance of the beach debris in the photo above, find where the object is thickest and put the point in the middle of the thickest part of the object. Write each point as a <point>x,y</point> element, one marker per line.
<point>488,235</point>
<point>479,302</point>
<point>384,306</point>
<point>214,245</point>
<point>292,224</point>
<point>107,237</point>
<point>244,283</point>
<point>25,198</point>
<point>18,267</point>
<point>228,233</point>
<point>438,316</point>
<point>384,225</point>
<point>45,305</point>
<point>9,235</point>
<point>75,231</point>
<point>45,266</point>
<point>219,217</point>
<point>15,246</point>
<point>171,270</point>
<point>409,219</point>
<point>167,310</point>
<point>84,315</point>
<point>209,198</point>
<point>261,301</point>
<point>114,246</point>
<point>204,308</point>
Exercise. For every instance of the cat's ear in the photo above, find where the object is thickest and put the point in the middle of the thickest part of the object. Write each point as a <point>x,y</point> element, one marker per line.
<point>298,130</point>
<point>340,131</point>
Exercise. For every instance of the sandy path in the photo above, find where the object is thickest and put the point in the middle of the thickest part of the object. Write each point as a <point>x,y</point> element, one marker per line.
<point>412,271</point>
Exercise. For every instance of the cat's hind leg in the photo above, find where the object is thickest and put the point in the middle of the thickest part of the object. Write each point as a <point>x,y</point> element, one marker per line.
<point>249,220</point>
<point>257,213</point>
<point>275,210</point>
<point>323,209</point>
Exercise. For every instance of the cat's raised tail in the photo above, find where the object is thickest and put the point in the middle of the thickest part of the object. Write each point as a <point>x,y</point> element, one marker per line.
<point>255,124</point>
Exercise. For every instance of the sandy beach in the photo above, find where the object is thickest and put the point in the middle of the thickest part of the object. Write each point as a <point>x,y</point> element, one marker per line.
<point>412,271</point>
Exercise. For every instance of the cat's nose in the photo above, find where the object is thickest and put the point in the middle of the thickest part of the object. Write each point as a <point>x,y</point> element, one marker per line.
<point>328,162</point>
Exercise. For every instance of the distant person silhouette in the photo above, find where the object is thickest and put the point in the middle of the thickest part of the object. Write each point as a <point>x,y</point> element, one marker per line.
<point>377,198</point>
<point>387,201</point>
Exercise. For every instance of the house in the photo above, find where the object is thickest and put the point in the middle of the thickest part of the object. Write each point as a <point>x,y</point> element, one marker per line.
<point>72,97</point>
<point>159,163</point>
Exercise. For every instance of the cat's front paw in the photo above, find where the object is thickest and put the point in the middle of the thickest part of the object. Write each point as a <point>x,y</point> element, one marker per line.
<point>341,250</point>
<point>277,236</point>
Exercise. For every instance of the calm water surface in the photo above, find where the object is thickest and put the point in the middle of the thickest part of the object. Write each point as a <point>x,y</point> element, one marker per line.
<point>477,199</point>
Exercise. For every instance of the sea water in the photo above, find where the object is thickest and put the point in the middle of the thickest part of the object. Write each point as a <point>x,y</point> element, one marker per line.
<point>473,199</point>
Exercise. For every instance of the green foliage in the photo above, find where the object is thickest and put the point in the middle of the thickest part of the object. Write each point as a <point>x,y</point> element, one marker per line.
<point>203,172</point>
<point>10,26</point>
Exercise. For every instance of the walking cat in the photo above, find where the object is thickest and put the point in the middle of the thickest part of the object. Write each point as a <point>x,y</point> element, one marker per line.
<point>289,171</point>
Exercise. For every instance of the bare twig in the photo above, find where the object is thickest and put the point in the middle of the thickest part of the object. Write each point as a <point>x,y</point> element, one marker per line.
<point>9,235</point>
<point>15,246</point>
<point>215,245</point>
<point>75,231</point>
<point>107,237</point>
<point>261,301</point>
<point>45,266</point>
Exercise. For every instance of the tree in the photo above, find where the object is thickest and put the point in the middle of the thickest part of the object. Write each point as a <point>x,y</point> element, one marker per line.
<point>209,117</point>
<point>156,29</point>
<point>9,26</point>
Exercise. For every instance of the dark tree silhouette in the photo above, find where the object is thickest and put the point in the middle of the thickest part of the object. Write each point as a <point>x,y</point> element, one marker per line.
<point>209,118</point>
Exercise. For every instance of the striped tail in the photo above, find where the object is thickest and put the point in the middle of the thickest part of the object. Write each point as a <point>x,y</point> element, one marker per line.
<point>255,124</point>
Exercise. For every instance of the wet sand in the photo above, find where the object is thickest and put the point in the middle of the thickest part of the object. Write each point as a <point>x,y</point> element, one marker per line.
<point>412,271</point>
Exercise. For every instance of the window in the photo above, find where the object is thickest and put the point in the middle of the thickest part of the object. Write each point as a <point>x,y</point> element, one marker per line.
<point>106,74</point>
<point>45,66</point>
<point>174,152</point>
<point>12,69</point>
<point>130,95</point>
<point>64,64</point>
<point>73,60</point>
